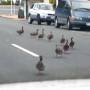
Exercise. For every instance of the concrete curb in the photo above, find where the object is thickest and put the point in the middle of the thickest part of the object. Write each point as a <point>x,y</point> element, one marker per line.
<point>14,17</point>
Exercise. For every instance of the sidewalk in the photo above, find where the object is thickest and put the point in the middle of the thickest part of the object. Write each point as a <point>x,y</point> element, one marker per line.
<point>13,16</point>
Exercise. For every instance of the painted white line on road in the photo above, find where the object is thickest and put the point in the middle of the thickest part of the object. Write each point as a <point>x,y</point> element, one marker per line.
<point>25,50</point>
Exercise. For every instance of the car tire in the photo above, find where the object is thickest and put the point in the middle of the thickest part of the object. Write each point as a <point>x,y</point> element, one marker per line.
<point>48,22</point>
<point>38,20</point>
<point>69,26</point>
<point>57,25</point>
<point>30,20</point>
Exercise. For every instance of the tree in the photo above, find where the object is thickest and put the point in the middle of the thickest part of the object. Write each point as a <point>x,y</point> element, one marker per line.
<point>53,2</point>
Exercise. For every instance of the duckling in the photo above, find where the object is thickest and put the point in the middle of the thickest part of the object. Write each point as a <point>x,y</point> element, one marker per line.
<point>71,44</point>
<point>58,51</point>
<point>41,35</point>
<point>34,33</point>
<point>50,36</point>
<point>40,66</point>
<point>62,41</point>
<point>66,46</point>
<point>20,31</point>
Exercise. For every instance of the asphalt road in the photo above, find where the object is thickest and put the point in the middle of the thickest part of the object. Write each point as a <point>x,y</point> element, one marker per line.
<point>19,66</point>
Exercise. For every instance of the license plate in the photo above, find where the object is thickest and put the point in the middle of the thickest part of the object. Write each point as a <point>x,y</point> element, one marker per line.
<point>62,20</point>
<point>88,24</point>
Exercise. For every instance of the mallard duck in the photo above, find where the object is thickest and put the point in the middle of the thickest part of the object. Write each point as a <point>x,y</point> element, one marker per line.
<point>58,50</point>
<point>71,44</point>
<point>20,31</point>
<point>66,46</point>
<point>62,41</point>
<point>41,35</point>
<point>40,66</point>
<point>50,36</point>
<point>34,33</point>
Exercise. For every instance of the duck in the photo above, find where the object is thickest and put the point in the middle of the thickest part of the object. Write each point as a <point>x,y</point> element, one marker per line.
<point>21,31</point>
<point>34,33</point>
<point>50,36</point>
<point>71,44</point>
<point>58,50</point>
<point>41,35</point>
<point>66,46</point>
<point>40,66</point>
<point>62,41</point>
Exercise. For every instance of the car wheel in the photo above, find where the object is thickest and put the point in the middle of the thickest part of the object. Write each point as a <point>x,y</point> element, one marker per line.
<point>57,25</point>
<point>38,20</point>
<point>30,19</point>
<point>69,26</point>
<point>48,22</point>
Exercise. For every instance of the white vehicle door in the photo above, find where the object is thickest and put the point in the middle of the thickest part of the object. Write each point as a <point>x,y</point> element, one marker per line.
<point>33,11</point>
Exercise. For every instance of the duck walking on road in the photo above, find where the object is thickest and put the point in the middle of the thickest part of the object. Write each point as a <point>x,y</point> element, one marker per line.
<point>40,66</point>
<point>21,31</point>
<point>71,44</point>
<point>66,46</point>
<point>41,35</point>
<point>58,51</point>
<point>62,41</point>
<point>50,36</point>
<point>34,33</point>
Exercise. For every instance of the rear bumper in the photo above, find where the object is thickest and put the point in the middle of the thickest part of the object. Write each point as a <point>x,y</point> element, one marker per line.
<point>46,19</point>
<point>80,23</point>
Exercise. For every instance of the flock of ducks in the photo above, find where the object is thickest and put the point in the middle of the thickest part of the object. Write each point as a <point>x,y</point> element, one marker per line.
<point>36,33</point>
<point>41,35</point>
<point>64,46</point>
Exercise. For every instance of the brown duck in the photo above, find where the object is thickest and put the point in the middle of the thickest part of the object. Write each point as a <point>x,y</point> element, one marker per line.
<point>50,36</point>
<point>20,31</point>
<point>66,46</point>
<point>62,39</point>
<point>71,44</point>
<point>40,66</point>
<point>34,33</point>
<point>41,35</point>
<point>58,51</point>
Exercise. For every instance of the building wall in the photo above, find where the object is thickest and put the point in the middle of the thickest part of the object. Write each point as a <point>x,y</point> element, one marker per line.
<point>47,1</point>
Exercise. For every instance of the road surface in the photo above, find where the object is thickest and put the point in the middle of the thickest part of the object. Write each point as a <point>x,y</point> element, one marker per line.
<point>17,65</point>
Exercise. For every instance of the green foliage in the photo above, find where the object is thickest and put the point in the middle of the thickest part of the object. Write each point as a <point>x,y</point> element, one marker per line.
<point>53,2</point>
<point>6,3</point>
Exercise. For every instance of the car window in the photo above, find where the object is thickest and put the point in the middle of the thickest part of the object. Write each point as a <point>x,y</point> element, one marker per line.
<point>35,6</point>
<point>45,7</point>
<point>32,5</point>
<point>81,5</point>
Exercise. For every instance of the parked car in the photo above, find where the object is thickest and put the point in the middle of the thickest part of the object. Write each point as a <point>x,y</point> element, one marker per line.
<point>41,12</point>
<point>21,12</point>
<point>73,13</point>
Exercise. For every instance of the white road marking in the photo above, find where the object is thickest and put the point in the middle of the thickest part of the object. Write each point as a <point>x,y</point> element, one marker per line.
<point>25,50</point>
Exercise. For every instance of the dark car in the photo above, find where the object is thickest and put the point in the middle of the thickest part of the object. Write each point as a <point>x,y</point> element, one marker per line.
<point>73,14</point>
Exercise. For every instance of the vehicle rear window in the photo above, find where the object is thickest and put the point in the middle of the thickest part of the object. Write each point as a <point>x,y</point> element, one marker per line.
<point>45,7</point>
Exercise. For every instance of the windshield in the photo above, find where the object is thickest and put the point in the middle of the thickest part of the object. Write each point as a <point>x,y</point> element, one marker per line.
<point>46,7</point>
<point>81,5</point>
